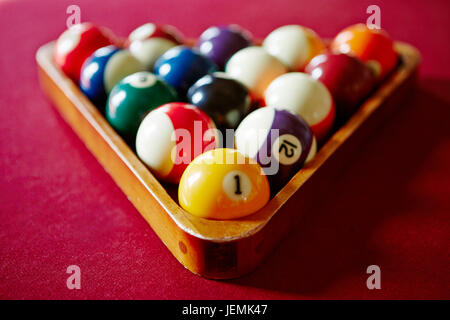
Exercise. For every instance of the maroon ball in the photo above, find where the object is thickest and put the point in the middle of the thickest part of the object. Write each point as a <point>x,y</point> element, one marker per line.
<point>348,79</point>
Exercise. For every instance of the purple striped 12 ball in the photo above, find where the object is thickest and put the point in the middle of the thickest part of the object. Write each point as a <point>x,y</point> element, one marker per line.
<point>279,140</point>
<point>219,43</point>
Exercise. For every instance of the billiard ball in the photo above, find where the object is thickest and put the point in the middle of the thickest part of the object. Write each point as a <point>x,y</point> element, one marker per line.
<point>76,44</point>
<point>152,30</point>
<point>255,68</point>
<point>223,184</point>
<point>132,98</point>
<point>305,96</point>
<point>103,70</point>
<point>347,78</point>
<point>373,46</point>
<point>149,50</point>
<point>312,151</point>
<point>279,140</point>
<point>182,66</point>
<point>171,136</point>
<point>148,42</point>
<point>219,43</point>
<point>293,45</point>
<point>224,99</point>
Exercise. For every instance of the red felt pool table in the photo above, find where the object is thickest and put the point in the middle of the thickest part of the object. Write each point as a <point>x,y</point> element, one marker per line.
<point>390,206</point>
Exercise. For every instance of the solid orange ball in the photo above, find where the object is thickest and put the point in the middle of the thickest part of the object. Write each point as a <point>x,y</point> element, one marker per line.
<point>372,46</point>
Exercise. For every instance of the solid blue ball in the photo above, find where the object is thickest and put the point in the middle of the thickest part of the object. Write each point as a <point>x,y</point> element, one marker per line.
<point>182,66</point>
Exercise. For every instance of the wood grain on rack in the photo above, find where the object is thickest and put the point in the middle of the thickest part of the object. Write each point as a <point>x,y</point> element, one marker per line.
<point>221,249</point>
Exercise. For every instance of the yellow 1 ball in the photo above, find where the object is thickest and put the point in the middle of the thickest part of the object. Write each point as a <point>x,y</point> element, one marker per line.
<point>223,184</point>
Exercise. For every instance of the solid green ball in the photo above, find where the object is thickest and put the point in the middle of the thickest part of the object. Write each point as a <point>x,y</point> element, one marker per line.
<point>132,98</point>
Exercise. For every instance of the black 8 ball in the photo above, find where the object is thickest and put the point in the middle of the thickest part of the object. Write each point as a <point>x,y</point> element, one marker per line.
<point>224,99</point>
